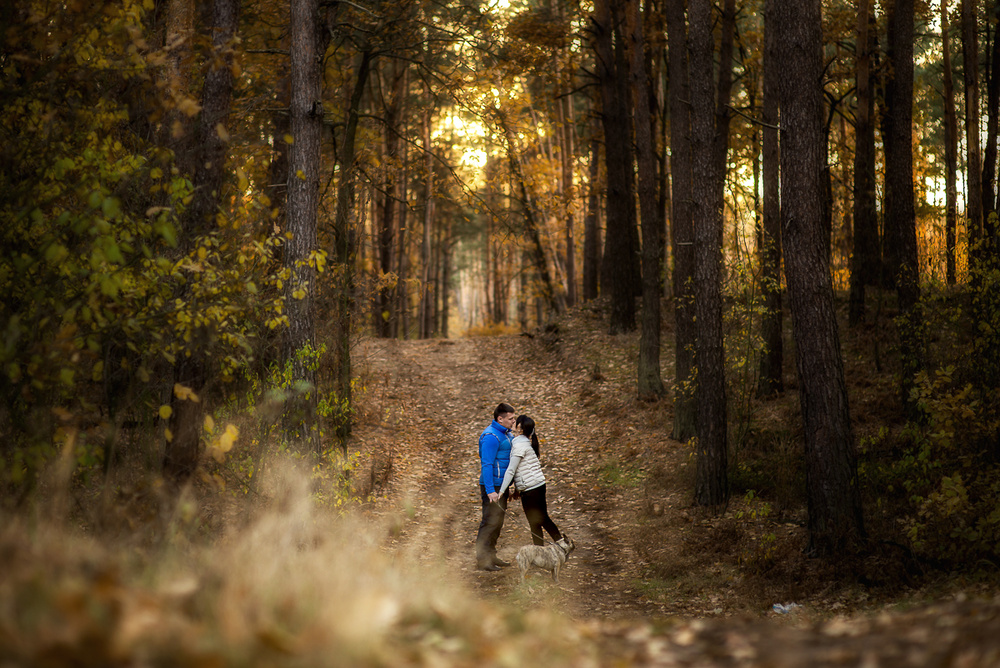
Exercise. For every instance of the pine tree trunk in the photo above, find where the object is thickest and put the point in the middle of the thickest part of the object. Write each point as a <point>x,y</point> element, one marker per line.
<point>973,161</point>
<point>866,258</point>
<point>990,154</point>
<point>650,385</point>
<point>833,497</point>
<point>345,245</point>
<point>681,223</point>
<point>900,222</point>
<point>618,262</point>
<point>950,149</point>
<point>711,483</point>
<point>303,204</point>
<point>426,297</point>
<point>592,228</point>
<point>772,321</point>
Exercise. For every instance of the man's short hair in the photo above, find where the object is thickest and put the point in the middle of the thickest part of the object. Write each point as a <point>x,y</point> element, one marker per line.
<point>503,409</point>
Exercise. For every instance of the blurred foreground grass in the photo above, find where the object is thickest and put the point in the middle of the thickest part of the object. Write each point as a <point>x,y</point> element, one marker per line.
<point>290,584</point>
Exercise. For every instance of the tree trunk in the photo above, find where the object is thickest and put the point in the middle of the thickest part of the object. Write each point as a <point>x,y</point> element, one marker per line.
<point>345,244</point>
<point>426,297</point>
<point>866,258</point>
<point>303,204</point>
<point>386,319</point>
<point>618,262</point>
<point>402,329</point>
<point>833,497</point>
<point>990,154</point>
<point>650,385</point>
<point>973,161</point>
<point>900,222</point>
<point>592,228</point>
<point>772,320</point>
<point>950,149</point>
<point>681,223</point>
<point>711,484</point>
<point>445,286</point>
<point>566,158</point>
<point>209,152</point>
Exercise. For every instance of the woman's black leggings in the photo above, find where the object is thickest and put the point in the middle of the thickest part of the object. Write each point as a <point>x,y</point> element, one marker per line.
<point>533,502</point>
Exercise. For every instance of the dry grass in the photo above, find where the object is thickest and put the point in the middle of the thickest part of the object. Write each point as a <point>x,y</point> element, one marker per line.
<point>293,585</point>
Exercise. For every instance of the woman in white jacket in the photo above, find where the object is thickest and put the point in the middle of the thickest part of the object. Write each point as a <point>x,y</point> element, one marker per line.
<point>526,473</point>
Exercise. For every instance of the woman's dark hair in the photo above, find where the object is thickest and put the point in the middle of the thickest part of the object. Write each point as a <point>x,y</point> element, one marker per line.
<point>527,426</point>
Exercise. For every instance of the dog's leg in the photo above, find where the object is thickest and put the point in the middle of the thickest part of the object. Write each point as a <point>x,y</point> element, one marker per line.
<point>555,572</point>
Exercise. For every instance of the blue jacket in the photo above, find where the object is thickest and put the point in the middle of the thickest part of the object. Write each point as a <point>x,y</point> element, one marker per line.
<point>494,455</point>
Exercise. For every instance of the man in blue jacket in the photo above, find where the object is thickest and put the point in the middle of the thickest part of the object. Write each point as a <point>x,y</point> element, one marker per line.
<point>494,456</point>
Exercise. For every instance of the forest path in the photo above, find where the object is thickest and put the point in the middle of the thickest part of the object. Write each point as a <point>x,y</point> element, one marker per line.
<point>435,397</point>
<point>438,396</point>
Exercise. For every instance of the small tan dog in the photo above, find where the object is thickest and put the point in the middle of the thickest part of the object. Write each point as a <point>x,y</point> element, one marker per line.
<point>547,557</point>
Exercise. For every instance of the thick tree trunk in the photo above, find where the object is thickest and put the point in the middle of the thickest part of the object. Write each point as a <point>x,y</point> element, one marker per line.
<point>209,152</point>
<point>650,385</point>
<point>833,497</point>
<point>619,260</point>
<point>711,483</point>
<point>950,149</point>
<point>900,222</point>
<point>681,223</point>
<point>866,258</point>
<point>303,205</point>
<point>772,321</point>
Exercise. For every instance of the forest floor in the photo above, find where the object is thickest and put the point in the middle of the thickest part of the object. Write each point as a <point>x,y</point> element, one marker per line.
<point>671,583</point>
<point>269,558</point>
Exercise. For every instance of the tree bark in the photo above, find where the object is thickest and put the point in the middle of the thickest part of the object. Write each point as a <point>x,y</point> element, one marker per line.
<point>426,297</point>
<point>650,385</point>
<point>866,258</point>
<point>345,246</point>
<point>833,497</point>
<point>618,263</point>
<point>681,222</point>
<point>950,149</point>
<point>711,484</point>
<point>592,229</point>
<point>990,154</point>
<point>973,161</point>
<point>900,222</point>
<point>385,318</point>
<point>772,320</point>
<point>303,203</point>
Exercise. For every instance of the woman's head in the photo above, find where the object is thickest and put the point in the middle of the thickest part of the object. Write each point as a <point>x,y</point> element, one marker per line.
<point>527,426</point>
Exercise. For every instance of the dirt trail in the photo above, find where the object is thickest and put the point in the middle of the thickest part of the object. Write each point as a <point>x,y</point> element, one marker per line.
<point>443,394</point>
<point>433,398</point>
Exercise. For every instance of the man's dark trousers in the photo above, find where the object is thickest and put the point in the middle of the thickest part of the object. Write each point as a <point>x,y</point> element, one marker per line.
<point>489,528</point>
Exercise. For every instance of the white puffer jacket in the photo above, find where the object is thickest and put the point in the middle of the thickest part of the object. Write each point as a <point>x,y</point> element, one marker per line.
<point>525,469</point>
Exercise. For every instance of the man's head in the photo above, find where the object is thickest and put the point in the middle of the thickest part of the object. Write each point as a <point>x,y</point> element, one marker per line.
<point>505,415</point>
